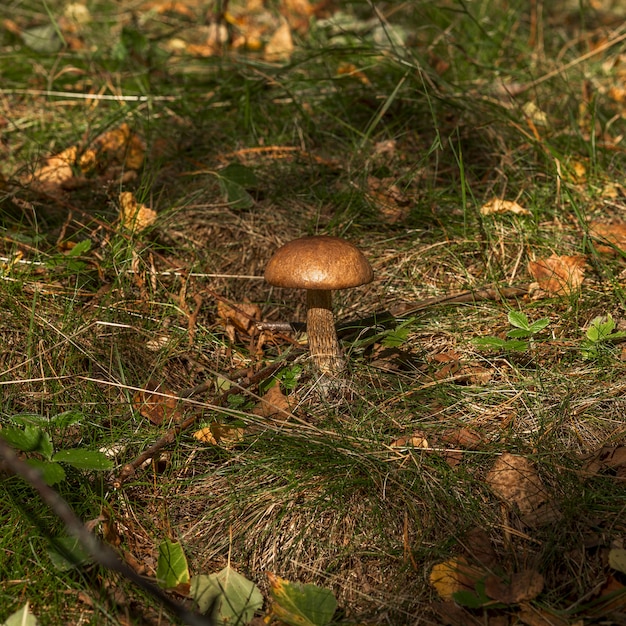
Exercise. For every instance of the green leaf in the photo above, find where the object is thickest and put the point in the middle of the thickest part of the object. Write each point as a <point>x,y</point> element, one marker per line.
<point>51,472</point>
<point>495,343</point>
<point>172,569</point>
<point>519,320</point>
<point>240,175</point>
<point>84,459</point>
<point>23,617</point>
<point>233,597</point>
<point>468,599</point>
<point>396,337</point>
<point>67,553</point>
<point>31,419</point>
<point>539,325</point>
<point>79,249</point>
<point>301,605</point>
<point>519,333</point>
<point>236,195</point>
<point>67,418</point>
<point>28,439</point>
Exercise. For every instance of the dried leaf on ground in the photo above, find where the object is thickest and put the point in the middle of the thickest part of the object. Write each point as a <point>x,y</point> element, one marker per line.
<point>463,438</point>
<point>274,404</point>
<point>451,614</point>
<point>516,482</point>
<point>56,172</point>
<point>478,546</point>
<point>135,216</point>
<point>158,406</point>
<point>535,616</point>
<point>522,586</point>
<point>240,318</point>
<point>280,46</point>
<point>558,275</point>
<point>392,203</point>
<point>613,596</point>
<point>614,234</point>
<point>454,575</point>
<point>611,458</point>
<point>120,146</point>
<point>497,206</point>
<point>415,440</point>
<point>217,434</point>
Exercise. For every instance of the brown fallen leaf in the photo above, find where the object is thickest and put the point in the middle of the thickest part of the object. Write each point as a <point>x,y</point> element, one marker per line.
<point>158,407</point>
<point>274,404</point>
<point>451,614</point>
<point>614,235</point>
<point>478,546</point>
<point>462,438</point>
<point>522,586</point>
<point>497,206</point>
<point>516,482</point>
<point>238,318</point>
<point>534,616</point>
<point>612,458</point>
<point>558,275</point>
<point>120,146</point>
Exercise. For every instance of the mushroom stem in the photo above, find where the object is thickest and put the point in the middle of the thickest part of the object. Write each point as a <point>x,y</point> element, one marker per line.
<point>320,324</point>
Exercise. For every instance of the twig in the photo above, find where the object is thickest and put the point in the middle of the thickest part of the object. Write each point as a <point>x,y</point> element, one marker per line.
<point>100,552</point>
<point>169,437</point>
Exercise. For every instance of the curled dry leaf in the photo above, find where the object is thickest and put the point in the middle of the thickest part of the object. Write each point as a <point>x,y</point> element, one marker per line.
<point>416,440</point>
<point>612,458</point>
<point>135,216</point>
<point>523,586</point>
<point>614,235</point>
<point>273,404</point>
<point>158,407</point>
<point>240,318</point>
<point>463,438</point>
<point>497,206</point>
<point>516,482</point>
<point>217,434</point>
<point>558,275</point>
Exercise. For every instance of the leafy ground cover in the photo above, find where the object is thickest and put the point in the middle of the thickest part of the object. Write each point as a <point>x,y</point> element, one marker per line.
<point>471,468</point>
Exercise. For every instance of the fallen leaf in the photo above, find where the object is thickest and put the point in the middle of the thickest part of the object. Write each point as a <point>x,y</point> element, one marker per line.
<point>56,170</point>
<point>241,317</point>
<point>612,234</point>
<point>217,434</point>
<point>558,275</point>
<point>497,206</point>
<point>273,404</point>
<point>613,596</point>
<point>462,438</point>
<point>158,407</point>
<point>535,114</point>
<point>516,482</point>
<point>135,216</point>
<point>451,614</point>
<point>350,69</point>
<point>416,440</point>
<point>120,146</point>
<point>454,575</point>
<point>534,616</point>
<point>280,46</point>
<point>392,203</point>
<point>522,586</point>
<point>617,559</point>
<point>478,546</point>
<point>611,458</point>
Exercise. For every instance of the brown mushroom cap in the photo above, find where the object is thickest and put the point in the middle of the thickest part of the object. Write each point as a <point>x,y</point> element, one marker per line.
<point>318,262</point>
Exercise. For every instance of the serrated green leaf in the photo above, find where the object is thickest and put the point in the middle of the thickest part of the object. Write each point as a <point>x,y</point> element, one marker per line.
<point>79,249</point>
<point>495,343</point>
<point>28,439</point>
<point>51,472</point>
<point>233,597</point>
<point>84,459</point>
<point>539,325</point>
<point>240,175</point>
<point>32,419</point>
<point>172,568</point>
<point>297,604</point>
<point>519,333</point>
<point>68,553</point>
<point>396,337</point>
<point>519,320</point>
<point>67,418</point>
<point>22,617</point>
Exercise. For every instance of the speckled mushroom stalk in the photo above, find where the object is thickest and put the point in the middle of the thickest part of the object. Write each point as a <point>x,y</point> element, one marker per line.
<point>320,323</point>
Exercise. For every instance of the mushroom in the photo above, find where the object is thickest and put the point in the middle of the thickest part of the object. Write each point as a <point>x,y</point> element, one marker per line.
<point>320,264</point>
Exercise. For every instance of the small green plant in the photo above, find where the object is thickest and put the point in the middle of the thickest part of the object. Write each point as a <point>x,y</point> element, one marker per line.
<point>519,338</point>
<point>599,337</point>
<point>30,433</point>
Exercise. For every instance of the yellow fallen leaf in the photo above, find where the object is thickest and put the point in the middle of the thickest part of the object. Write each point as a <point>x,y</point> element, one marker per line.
<point>452,576</point>
<point>280,45</point>
<point>135,216</point>
<point>497,206</point>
